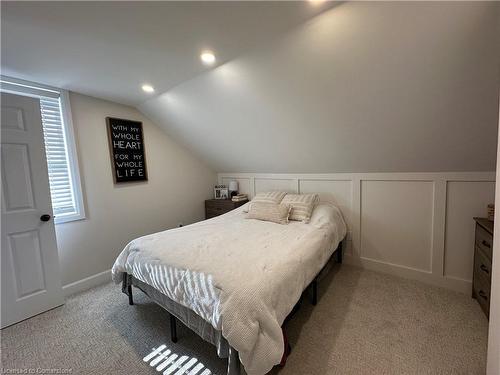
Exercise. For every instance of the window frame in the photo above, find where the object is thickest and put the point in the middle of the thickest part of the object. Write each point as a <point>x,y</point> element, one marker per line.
<point>33,89</point>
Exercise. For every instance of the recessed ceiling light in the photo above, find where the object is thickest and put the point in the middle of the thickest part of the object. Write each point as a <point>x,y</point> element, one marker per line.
<point>316,2</point>
<point>148,88</point>
<point>207,57</point>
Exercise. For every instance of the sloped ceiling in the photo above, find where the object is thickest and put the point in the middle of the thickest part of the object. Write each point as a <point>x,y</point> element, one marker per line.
<point>108,49</point>
<point>299,87</point>
<point>361,87</point>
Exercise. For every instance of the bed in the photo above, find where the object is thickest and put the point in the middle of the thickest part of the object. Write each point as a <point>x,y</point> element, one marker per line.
<point>233,280</point>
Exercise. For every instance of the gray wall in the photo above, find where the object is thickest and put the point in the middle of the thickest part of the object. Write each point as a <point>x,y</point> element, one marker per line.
<point>177,186</point>
<point>363,87</point>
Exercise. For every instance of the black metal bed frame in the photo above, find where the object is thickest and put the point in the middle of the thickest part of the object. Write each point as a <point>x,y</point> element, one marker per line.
<point>127,289</point>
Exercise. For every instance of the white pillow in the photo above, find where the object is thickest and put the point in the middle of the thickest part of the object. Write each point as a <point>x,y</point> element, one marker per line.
<point>302,206</point>
<point>324,214</point>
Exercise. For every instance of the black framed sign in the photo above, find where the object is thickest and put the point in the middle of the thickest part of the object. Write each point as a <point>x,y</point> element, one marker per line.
<point>126,145</point>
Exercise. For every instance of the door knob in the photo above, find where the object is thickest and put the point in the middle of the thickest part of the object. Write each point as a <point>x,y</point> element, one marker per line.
<point>45,217</point>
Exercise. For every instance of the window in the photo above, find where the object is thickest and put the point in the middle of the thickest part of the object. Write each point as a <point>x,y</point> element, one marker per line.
<point>64,179</point>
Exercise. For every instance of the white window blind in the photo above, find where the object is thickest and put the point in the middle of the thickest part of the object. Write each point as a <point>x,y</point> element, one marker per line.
<point>60,149</point>
<point>61,186</point>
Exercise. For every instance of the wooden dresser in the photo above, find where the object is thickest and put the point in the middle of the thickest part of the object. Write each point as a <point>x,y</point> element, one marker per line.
<point>216,207</point>
<point>483,252</point>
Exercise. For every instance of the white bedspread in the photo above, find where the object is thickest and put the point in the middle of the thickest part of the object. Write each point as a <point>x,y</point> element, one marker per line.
<point>242,275</point>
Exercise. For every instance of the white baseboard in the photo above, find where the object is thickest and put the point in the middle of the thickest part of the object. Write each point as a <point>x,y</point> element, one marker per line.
<point>458,285</point>
<point>87,283</point>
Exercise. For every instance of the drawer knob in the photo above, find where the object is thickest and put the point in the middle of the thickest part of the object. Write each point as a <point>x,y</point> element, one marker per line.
<point>486,244</point>
<point>484,269</point>
<point>483,295</point>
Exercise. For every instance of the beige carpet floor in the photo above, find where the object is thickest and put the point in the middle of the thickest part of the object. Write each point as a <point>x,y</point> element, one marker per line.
<point>364,323</point>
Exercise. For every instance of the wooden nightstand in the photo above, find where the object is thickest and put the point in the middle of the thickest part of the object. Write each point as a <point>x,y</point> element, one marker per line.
<point>216,207</point>
<point>483,254</point>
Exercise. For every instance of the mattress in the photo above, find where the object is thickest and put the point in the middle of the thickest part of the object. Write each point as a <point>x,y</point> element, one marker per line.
<point>242,276</point>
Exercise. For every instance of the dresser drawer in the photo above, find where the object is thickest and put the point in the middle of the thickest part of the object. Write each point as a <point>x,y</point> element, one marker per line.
<point>221,204</point>
<point>482,293</point>
<point>482,265</point>
<point>484,241</point>
<point>216,207</point>
<point>212,212</point>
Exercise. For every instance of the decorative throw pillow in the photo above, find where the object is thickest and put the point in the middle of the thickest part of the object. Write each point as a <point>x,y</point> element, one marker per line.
<point>268,211</point>
<point>302,206</point>
<point>267,197</point>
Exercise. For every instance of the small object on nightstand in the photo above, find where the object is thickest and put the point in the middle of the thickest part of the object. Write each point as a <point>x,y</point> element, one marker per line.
<point>221,192</point>
<point>483,254</point>
<point>233,188</point>
<point>239,198</point>
<point>491,212</point>
<point>216,207</point>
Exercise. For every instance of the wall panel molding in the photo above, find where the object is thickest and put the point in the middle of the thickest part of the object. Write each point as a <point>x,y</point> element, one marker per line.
<point>429,215</point>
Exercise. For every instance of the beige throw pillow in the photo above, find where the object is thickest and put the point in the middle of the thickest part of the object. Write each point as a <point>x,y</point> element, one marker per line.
<point>267,197</point>
<point>302,206</point>
<point>277,213</point>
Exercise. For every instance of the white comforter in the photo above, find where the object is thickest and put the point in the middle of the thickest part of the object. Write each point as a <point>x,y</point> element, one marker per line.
<point>242,275</point>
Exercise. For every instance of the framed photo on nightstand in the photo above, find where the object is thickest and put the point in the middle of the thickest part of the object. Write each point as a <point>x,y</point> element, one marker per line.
<point>221,192</point>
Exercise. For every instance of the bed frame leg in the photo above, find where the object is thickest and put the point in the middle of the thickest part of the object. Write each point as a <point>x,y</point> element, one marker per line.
<point>287,350</point>
<point>339,252</point>
<point>127,288</point>
<point>314,286</point>
<point>233,363</point>
<point>173,329</point>
<point>130,296</point>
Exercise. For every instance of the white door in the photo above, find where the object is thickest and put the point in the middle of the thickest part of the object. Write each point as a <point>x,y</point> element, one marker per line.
<point>30,277</point>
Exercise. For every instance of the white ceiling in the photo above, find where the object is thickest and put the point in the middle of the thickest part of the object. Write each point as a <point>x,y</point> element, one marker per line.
<point>109,49</point>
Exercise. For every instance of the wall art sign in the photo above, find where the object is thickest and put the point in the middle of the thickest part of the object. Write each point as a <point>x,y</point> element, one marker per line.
<point>126,145</point>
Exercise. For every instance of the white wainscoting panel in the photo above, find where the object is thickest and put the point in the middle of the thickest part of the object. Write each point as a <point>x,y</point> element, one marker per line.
<point>266,184</point>
<point>338,192</point>
<point>396,223</point>
<point>414,225</point>
<point>244,185</point>
<point>465,200</point>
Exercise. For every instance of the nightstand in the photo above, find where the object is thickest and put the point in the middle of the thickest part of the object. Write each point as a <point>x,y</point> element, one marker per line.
<point>216,207</point>
<point>481,280</point>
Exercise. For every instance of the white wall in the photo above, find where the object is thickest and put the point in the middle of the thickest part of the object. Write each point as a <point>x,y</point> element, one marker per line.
<point>362,87</point>
<point>493,367</point>
<point>415,225</point>
<point>175,192</point>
